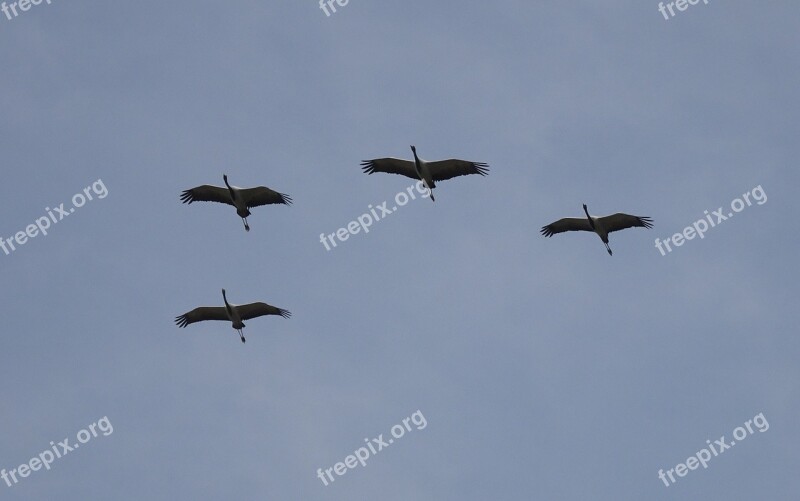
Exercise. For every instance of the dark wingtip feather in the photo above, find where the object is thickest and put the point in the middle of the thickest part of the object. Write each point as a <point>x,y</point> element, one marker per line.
<point>368,166</point>
<point>646,222</point>
<point>481,168</point>
<point>284,313</point>
<point>285,199</point>
<point>181,321</point>
<point>546,231</point>
<point>186,197</point>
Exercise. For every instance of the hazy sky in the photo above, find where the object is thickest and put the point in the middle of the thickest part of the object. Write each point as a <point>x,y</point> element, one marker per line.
<point>544,368</point>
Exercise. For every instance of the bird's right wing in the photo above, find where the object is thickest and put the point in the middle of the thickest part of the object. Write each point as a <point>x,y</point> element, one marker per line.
<point>200,314</point>
<point>620,221</point>
<point>207,193</point>
<point>566,224</point>
<point>390,166</point>
<point>253,310</point>
<point>448,169</point>
<point>256,197</point>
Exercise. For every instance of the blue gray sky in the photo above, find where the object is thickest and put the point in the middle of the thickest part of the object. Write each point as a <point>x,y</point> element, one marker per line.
<point>544,368</point>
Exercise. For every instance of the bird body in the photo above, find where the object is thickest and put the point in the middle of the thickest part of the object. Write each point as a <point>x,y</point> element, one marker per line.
<point>424,172</point>
<point>238,201</point>
<point>242,199</point>
<point>234,313</point>
<point>602,226</point>
<point>427,172</point>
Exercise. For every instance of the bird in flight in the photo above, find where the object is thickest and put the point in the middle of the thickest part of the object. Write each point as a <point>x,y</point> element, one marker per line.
<point>243,199</point>
<point>425,171</point>
<point>236,314</point>
<point>600,225</point>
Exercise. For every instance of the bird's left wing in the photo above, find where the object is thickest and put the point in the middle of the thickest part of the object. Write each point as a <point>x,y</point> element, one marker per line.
<point>253,310</point>
<point>262,195</point>
<point>620,221</point>
<point>446,169</point>
<point>200,314</point>
<point>390,166</point>
<point>206,193</point>
<point>566,224</point>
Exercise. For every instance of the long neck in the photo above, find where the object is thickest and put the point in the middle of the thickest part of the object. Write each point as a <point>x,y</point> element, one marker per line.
<point>591,221</point>
<point>416,159</point>
<point>230,188</point>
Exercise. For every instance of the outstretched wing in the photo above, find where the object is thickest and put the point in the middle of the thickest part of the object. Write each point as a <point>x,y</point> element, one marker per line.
<point>446,169</point>
<point>200,314</point>
<point>620,221</point>
<point>566,224</point>
<point>262,195</point>
<point>253,310</point>
<point>207,193</point>
<point>390,166</point>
